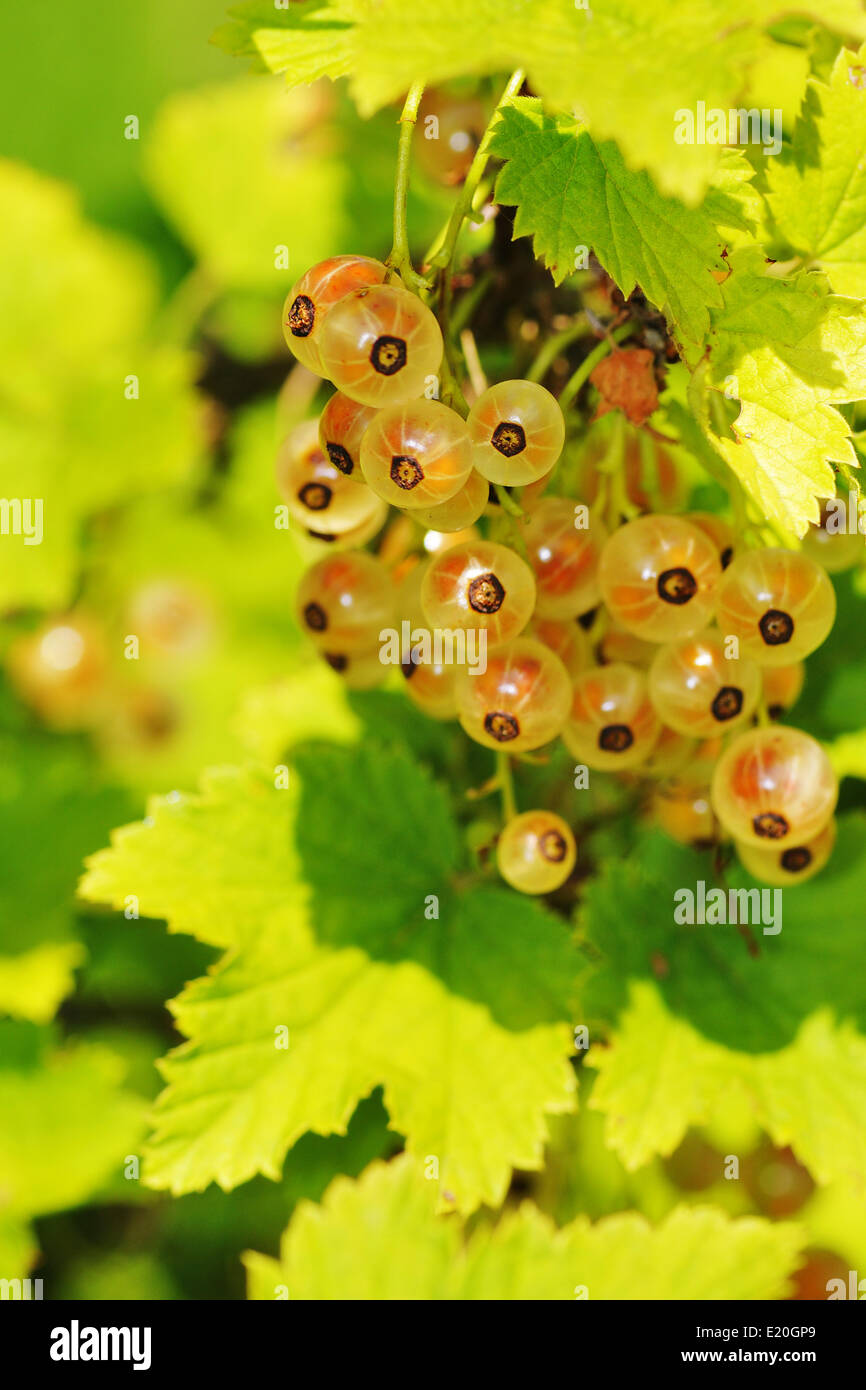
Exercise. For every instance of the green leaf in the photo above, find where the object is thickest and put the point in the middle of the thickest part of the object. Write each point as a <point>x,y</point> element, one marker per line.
<point>707,974</point>
<point>67,1126</point>
<point>378,1238</point>
<point>789,354</point>
<point>571,192</point>
<point>630,71</point>
<point>817,189</point>
<point>73,329</point>
<point>463,1019</point>
<point>659,1076</point>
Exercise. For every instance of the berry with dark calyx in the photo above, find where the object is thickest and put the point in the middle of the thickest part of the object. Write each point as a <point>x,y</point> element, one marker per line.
<point>536,852</point>
<point>782,687</point>
<point>417,455</point>
<point>381,346</point>
<point>430,681</point>
<point>564,558</point>
<point>344,601</point>
<point>778,603</point>
<point>774,787</point>
<point>720,532</point>
<point>310,300</point>
<point>612,725</point>
<point>698,691</point>
<point>658,577</point>
<point>519,702</point>
<point>317,496</point>
<point>361,670</point>
<point>796,863</point>
<point>458,512</point>
<point>518,430</point>
<point>479,585</point>
<point>683,810</point>
<point>341,428</point>
<point>355,536</point>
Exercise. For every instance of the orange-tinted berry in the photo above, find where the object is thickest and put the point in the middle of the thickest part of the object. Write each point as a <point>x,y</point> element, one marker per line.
<point>698,691</point>
<point>417,455</point>
<point>564,558</point>
<point>720,532</point>
<point>778,603</point>
<point>344,601</point>
<point>612,725</point>
<point>381,346</point>
<point>774,786</point>
<point>518,430</point>
<point>684,811</point>
<point>317,496</point>
<point>341,429</point>
<point>520,702</point>
<point>479,585</point>
<point>568,640</point>
<point>460,511</point>
<point>61,671</point>
<point>782,687</point>
<point>309,301</point>
<point>658,577</point>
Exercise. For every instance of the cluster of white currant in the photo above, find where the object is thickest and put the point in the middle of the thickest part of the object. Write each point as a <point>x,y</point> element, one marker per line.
<point>661,687</point>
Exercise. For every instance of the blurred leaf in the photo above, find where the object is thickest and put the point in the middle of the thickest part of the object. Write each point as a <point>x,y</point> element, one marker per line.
<point>379,1238</point>
<point>72,332</point>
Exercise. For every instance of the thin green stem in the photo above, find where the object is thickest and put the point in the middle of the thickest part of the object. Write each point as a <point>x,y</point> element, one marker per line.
<point>554,346</point>
<point>507,502</point>
<point>577,378</point>
<point>400,258</point>
<point>506,785</point>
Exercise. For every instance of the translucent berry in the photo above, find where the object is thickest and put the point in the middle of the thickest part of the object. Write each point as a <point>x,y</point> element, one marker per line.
<point>437,542</point>
<point>61,671</point>
<point>355,536</point>
<point>317,496</point>
<point>447,135</point>
<point>170,618</point>
<point>684,811</point>
<point>831,543</point>
<point>341,429</point>
<point>658,577</point>
<point>536,852</point>
<point>430,680</point>
<point>779,603</point>
<point>671,754</point>
<point>417,455</point>
<point>697,691</point>
<point>618,644</point>
<point>309,301</point>
<point>460,511</point>
<point>345,600</point>
<point>782,687</point>
<point>381,345</point>
<point>720,532</point>
<point>479,585</point>
<point>519,432</point>
<point>520,702</point>
<point>361,670</point>
<point>612,724</point>
<point>568,640</point>
<point>774,786</point>
<point>564,559</point>
<point>793,864</point>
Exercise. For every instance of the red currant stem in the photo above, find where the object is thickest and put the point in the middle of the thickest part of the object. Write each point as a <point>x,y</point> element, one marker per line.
<point>400,257</point>
<point>577,378</point>
<point>554,346</point>
<point>506,785</point>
